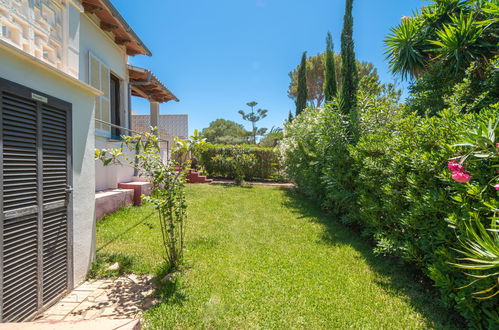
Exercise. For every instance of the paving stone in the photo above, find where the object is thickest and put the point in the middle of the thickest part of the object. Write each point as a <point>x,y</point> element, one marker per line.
<point>108,311</point>
<point>83,307</point>
<point>90,286</point>
<point>97,293</point>
<point>73,317</point>
<point>125,324</point>
<point>102,297</point>
<point>105,283</point>
<point>123,298</point>
<point>92,314</point>
<point>62,308</point>
<point>54,317</point>
<point>76,296</point>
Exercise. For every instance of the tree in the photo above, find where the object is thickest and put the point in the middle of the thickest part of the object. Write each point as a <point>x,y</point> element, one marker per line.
<point>290,116</point>
<point>222,131</point>
<point>349,70</point>
<point>329,70</point>
<point>253,118</point>
<point>436,46</point>
<point>302,92</point>
<point>315,77</point>
<point>272,138</point>
<point>168,183</point>
<point>455,33</point>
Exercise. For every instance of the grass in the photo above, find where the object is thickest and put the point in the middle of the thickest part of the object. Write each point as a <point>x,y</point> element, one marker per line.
<point>262,257</point>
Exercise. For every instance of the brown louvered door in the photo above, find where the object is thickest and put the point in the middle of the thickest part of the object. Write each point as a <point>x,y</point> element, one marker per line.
<point>35,186</point>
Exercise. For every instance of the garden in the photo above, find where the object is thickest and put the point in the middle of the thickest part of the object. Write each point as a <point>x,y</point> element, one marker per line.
<point>264,257</point>
<point>420,179</point>
<point>394,219</point>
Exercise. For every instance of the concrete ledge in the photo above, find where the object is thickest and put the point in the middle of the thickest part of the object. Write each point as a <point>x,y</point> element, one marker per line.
<point>140,188</point>
<point>98,324</point>
<point>110,201</point>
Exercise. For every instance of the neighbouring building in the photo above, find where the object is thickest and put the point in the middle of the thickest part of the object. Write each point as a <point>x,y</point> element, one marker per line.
<point>65,89</point>
<point>169,127</point>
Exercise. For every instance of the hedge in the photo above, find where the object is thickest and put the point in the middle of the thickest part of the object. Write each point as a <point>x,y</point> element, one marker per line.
<point>394,185</point>
<point>266,168</point>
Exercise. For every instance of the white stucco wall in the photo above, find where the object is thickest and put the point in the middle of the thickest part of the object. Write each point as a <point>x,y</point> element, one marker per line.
<point>21,70</point>
<point>93,39</point>
<point>102,46</point>
<point>108,177</point>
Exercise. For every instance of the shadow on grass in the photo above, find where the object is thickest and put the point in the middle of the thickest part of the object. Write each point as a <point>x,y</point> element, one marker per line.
<point>169,286</point>
<point>397,278</point>
<point>142,221</point>
<point>233,185</point>
<point>102,266</point>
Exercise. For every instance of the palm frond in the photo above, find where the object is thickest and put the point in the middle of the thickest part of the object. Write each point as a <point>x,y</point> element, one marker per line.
<point>481,254</point>
<point>404,49</point>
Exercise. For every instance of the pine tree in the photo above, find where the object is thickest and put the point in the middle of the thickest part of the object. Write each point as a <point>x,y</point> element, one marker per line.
<point>349,70</point>
<point>301,98</point>
<point>330,87</point>
<point>290,117</point>
<point>253,118</point>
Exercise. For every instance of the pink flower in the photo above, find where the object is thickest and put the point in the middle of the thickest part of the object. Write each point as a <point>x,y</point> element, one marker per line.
<point>454,166</point>
<point>496,186</point>
<point>461,177</point>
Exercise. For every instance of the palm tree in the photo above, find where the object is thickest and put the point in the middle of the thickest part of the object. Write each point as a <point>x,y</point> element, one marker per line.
<point>454,33</point>
<point>405,49</point>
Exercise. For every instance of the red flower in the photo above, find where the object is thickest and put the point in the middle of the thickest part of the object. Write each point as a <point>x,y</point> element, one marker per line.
<point>461,177</point>
<point>454,166</point>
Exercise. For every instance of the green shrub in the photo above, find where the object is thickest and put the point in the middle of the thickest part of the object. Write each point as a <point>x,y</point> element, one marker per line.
<point>237,165</point>
<point>406,200</point>
<point>395,186</point>
<point>218,161</point>
<point>476,218</point>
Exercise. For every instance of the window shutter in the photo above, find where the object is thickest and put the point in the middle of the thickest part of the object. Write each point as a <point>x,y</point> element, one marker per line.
<point>99,76</point>
<point>94,72</point>
<point>105,99</point>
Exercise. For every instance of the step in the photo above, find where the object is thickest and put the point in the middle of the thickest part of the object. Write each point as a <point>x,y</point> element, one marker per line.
<point>97,324</point>
<point>140,188</point>
<point>199,179</point>
<point>110,201</point>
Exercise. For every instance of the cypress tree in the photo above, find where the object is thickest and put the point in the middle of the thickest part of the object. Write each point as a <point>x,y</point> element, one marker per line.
<point>290,117</point>
<point>302,90</point>
<point>330,88</point>
<point>348,70</point>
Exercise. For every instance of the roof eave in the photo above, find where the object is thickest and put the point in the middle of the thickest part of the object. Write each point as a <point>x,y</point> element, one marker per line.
<point>151,81</point>
<point>127,27</point>
<point>112,21</point>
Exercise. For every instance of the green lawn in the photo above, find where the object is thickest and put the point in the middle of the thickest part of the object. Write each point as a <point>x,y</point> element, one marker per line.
<point>262,257</point>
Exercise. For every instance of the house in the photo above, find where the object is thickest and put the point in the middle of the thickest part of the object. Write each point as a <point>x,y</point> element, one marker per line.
<point>65,89</point>
<point>143,83</point>
<point>169,127</point>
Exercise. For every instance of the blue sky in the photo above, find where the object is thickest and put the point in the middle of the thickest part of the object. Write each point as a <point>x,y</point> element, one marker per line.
<point>218,55</point>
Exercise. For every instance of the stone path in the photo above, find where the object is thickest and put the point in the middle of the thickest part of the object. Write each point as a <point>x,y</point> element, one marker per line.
<point>122,298</point>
